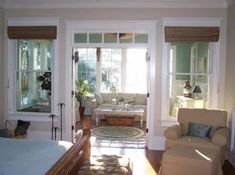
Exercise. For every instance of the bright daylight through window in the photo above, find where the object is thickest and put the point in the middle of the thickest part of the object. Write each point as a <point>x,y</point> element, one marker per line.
<point>33,76</point>
<point>188,75</point>
<point>114,69</point>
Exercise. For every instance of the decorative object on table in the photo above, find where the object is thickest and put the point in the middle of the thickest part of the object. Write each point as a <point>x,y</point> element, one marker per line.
<point>21,129</point>
<point>114,103</point>
<point>196,92</point>
<point>61,117</point>
<point>187,92</point>
<point>83,93</point>
<point>121,102</point>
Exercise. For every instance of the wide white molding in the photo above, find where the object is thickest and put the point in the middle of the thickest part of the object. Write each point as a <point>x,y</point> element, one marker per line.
<point>156,142</point>
<point>46,4</point>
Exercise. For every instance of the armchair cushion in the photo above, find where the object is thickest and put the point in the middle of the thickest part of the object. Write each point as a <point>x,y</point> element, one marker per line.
<point>221,136</point>
<point>173,132</point>
<point>198,130</point>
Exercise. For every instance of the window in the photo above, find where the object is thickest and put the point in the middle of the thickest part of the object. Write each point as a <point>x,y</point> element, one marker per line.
<point>114,69</point>
<point>189,61</point>
<point>190,77</point>
<point>33,76</point>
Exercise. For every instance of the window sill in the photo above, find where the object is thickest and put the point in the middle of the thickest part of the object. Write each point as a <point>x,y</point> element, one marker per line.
<point>168,122</point>
<point>30,116</point>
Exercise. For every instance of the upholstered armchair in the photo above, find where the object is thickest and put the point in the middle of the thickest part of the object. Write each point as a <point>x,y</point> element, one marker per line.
<point>200,127</point>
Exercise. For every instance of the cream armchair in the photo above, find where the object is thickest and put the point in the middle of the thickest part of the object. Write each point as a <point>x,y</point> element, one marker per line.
<point>217,137</point>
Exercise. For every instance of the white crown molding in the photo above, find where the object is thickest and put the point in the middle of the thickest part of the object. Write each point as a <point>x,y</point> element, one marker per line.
<point>48,4</point>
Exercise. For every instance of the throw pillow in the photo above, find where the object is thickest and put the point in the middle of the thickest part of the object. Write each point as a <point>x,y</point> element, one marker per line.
<point>198,130</point>
<point>99,98</point>
<point>21,127</point>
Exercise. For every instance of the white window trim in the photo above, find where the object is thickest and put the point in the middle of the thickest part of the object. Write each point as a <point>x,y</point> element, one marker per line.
<point>166,120</point>
<point>10,62</point>
<point>148,26</point>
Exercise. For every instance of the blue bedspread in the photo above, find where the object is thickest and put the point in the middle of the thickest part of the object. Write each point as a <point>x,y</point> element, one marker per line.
<point>29,157</point>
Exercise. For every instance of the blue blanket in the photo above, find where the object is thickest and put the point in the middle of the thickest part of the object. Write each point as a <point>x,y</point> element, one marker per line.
<point>29,157</point>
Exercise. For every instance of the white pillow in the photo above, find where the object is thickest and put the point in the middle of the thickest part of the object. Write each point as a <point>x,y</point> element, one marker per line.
<point>140,99</point>
<point>99,98</point>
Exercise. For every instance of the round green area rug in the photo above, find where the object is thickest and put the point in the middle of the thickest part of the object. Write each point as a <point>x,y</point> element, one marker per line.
<point>117,132</point>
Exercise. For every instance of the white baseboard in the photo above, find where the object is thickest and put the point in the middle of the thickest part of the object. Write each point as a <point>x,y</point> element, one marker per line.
<point>156,143</point>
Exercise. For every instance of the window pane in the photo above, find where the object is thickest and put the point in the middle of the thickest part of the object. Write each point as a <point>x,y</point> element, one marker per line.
<point>32,96</point>
<point>34,54</point>
<point>111,70</point>
<point>110,37</point>
<point>80,37</point>
<point>33,77</point>
<point>141,38</point>
<point>188,61</point>
<point>125,37</point>
<point>95,38</point>
<point>136,74</point>
<point>86,69</point>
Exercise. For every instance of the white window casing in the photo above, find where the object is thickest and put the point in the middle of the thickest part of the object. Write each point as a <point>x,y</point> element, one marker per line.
<point>11,67</point>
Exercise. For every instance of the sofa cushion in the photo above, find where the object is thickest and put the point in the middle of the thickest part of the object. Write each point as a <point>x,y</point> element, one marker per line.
<point>140,99</point>
<point>99,98</point>
<point>127,96</point>
<point>107,97</point>
<point>198,130</point>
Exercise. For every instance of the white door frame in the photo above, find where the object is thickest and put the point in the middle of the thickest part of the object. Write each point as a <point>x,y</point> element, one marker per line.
<point>117,26</point>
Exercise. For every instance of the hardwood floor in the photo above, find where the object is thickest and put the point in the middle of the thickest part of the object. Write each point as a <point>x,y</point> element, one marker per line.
<point>144,161</point>
<point>147,162</point>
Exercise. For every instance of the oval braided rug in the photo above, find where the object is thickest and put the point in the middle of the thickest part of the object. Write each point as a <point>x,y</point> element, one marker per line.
<point>117,132</point>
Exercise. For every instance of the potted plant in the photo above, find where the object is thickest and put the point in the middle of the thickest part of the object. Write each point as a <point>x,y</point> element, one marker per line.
<point>45,80</point>
<point>83,93</point>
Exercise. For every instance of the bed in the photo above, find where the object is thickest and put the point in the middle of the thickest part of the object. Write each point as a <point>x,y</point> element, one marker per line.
<point>40,157</point>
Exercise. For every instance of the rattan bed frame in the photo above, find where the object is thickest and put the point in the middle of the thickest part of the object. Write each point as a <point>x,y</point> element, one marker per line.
<point>70,162</point>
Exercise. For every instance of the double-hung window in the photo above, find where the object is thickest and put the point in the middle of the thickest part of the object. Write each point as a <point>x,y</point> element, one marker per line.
<point>33,76</point>
<point>190,60</point>
<point>31,52</point>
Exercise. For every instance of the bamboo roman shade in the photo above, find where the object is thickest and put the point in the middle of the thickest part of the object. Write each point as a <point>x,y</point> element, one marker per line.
<point>32,32</point>
<point>175,33</point>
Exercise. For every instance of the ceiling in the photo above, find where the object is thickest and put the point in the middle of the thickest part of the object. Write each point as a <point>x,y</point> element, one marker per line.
<point>14,4</point>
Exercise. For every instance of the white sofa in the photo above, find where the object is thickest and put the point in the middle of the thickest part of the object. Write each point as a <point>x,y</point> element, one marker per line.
<point>135,100</point>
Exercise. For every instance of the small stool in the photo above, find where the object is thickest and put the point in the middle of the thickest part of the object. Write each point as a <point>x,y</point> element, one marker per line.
<point>180,160</point>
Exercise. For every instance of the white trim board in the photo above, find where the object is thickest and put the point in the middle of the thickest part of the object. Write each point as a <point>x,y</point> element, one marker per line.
<point>107,25</point>
<point>27,4</point>
<point>156,143</point>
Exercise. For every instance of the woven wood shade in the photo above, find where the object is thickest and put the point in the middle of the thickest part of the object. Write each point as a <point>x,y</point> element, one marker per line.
<point>32,32</point>
<point>174,34</point>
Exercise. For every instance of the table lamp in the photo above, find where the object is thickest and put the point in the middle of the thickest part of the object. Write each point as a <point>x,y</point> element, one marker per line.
<point>196,91</point>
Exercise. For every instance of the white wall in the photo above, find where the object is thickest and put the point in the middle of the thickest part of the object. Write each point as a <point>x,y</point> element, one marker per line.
<point>1,70</point>
<point>123,14</point>
<point>230,81</point>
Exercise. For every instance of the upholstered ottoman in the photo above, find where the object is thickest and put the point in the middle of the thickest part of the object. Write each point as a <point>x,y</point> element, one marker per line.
<point>183,160</point>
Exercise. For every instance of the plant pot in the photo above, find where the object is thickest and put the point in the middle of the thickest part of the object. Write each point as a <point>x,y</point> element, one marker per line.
<point>81,112</point>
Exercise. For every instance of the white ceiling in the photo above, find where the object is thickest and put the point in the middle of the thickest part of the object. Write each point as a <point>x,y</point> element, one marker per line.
<point>13,4</point>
